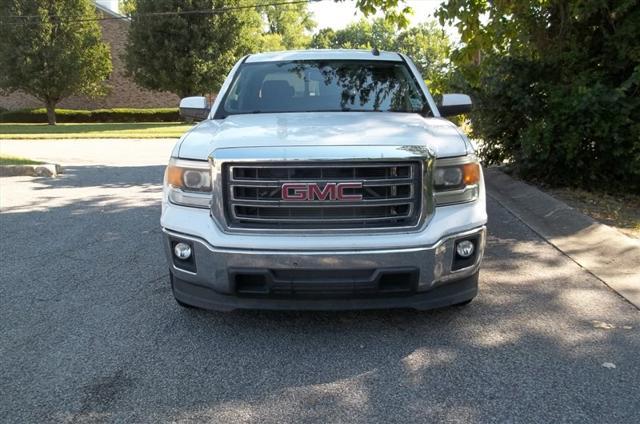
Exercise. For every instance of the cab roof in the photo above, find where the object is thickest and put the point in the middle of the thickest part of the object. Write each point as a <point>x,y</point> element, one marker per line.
<point>323,54</point>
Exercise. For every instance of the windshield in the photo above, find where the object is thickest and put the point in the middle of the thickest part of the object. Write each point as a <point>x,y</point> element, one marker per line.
<point>324,85</point>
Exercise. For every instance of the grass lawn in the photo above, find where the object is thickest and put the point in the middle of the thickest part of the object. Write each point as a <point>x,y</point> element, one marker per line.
<point>12,160</point>
<point>97,130</point>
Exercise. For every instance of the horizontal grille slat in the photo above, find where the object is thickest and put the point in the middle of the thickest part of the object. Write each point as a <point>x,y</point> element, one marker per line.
<point>299,172</point>
<point>277,183</point>
<point>313,219</point>
<point>381,194</point>
<point>334,204</point>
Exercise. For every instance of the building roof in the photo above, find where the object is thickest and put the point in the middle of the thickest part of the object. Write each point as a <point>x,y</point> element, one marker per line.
<point>323,54</point>
<point>108,11</point>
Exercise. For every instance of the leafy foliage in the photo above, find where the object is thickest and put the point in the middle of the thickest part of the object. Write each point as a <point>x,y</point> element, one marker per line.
<point>191,53</point>
<point>51,57</point>
<point>556,87</point>
<point>127,7</point>
<point>288,26</point>
<point>394,11</point>
<point>426,44</point>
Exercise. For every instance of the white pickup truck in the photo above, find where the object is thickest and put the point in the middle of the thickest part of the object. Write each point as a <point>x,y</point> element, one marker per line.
<point>324,179</point>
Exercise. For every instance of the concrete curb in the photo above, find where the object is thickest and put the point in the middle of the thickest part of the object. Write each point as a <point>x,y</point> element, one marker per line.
<point>40,170</point>
<point>603,251</point>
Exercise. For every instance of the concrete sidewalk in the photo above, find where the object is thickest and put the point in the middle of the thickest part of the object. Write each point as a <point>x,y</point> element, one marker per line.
<point>603,251</point>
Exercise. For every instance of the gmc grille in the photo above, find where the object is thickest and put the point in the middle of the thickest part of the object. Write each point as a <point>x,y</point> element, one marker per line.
<point>391,195</point>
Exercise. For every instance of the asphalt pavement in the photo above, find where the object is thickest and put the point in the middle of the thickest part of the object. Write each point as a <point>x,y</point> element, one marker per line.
<point>89,331</point>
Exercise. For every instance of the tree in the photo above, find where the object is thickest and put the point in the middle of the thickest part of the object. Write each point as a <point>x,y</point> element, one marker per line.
<point>189,53</point>
<point>52,50</point>
<point>557,87</point>
<point>288,24</point>
<point>364,34</point>
<point>390,8</point>
<point>323,39</point>
<point>426,44</point>
<point>429,47</point>
<point>127,7</point>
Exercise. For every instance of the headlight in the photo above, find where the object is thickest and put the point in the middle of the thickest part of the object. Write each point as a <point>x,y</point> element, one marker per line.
<point>189,183</point>
<point>456,180</point>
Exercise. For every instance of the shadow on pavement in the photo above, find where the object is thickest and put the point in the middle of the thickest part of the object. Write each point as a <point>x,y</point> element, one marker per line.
<point>91,332</point>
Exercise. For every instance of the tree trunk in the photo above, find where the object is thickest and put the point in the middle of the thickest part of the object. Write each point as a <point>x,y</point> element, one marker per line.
<point>51,112</point>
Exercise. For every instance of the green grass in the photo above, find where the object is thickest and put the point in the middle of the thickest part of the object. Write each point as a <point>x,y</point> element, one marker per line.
<point>12,160</point>
<point>94,130</point>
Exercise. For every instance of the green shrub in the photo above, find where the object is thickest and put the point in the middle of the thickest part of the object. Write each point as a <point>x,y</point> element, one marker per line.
<point>98,115</point>
<point>564,130</point>
<point>556,88</point>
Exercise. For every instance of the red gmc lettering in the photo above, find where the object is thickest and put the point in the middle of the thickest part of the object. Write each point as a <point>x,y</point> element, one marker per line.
<point>343,186</point>
<point>294,191</point>
<point>327,193</point>
<point>310,192</point>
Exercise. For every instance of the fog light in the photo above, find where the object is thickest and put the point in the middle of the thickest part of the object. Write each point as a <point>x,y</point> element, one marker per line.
<point>182,251</point>
<point>465,248</point>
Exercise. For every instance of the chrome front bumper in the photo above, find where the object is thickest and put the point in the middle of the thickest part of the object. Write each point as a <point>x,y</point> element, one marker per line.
<point>213,266</point>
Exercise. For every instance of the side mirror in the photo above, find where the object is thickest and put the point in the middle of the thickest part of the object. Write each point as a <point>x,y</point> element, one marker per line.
<point>195,107</point>
<point>454,104</point>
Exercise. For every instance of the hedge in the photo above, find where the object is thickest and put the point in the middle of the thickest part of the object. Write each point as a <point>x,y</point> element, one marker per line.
<point>557,90</point>
<point>98,115</point>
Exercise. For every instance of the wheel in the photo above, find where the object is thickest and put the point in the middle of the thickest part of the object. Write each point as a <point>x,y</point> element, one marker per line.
<point>179,302</point>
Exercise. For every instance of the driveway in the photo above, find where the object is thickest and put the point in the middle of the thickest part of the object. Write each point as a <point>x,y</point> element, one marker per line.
<point>90,331</point>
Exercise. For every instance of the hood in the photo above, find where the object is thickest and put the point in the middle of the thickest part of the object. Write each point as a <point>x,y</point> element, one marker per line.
<point>323,129</point>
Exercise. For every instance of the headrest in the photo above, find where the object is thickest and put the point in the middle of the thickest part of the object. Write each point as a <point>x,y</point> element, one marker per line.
<point>276,88</point>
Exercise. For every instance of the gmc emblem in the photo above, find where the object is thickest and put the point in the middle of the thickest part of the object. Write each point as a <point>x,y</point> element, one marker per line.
<point>312,191</point>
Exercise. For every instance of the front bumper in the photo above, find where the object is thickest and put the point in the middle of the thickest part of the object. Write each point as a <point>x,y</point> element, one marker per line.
<point>325,280</point>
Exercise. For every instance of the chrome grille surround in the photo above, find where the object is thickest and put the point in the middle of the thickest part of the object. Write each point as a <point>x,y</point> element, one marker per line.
<point>247,182</point>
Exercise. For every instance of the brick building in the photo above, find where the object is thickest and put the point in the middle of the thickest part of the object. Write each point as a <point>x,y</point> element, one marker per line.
<point>123,93</point>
